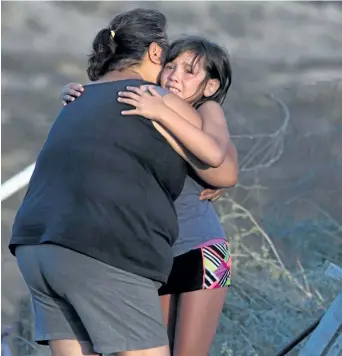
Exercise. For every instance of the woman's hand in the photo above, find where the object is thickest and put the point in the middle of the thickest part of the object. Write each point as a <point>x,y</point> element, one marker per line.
<point>211,194</point>
<point>146,100</point>
<point>70,92</point>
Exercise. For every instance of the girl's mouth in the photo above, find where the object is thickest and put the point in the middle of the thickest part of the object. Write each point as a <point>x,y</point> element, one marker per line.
<point>173,89</point>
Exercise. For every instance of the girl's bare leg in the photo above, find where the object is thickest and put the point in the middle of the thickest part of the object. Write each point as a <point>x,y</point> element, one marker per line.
<point>157,351</point>
<point>197,321</point>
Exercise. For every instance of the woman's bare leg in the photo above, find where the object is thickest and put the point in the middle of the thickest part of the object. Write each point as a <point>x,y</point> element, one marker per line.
<point>74,348</point>
<point>165,302</point>
<point>70,348</point>
<point>169,308</point>
<point>197,320</point>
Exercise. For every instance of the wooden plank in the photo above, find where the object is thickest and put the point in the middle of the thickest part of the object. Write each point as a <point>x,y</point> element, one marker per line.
<point>336,348</point>
<point>334,271</point>
<point>330,325</point>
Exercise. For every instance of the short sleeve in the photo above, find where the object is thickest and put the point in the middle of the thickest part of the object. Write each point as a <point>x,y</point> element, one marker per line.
<point>161,91</point>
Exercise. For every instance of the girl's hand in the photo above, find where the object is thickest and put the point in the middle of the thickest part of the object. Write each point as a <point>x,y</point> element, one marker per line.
<point>70,92</point>
<point>210,194</point>
<point>146,100</point>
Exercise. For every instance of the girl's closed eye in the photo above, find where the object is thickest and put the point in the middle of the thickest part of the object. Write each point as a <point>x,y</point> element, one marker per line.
<point>189,70</point>
<point>168,66</point>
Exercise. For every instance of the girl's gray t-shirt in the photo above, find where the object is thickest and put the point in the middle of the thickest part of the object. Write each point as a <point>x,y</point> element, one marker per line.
<point>197,219</point>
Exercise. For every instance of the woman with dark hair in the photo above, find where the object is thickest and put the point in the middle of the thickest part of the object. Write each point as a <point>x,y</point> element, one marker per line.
<point>93,234</point>
<point>199,72</point>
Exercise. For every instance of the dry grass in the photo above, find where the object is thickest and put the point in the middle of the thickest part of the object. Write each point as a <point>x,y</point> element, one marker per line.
<point>271,301</point>
<point>268,305</point>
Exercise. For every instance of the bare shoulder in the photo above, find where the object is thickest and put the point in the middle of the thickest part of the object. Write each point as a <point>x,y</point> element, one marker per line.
<point>211,108</point>
<point>210,104</point>
<point>214,120</point>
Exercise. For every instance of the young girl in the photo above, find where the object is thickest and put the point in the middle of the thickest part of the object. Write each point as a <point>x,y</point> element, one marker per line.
<point>199,72</point>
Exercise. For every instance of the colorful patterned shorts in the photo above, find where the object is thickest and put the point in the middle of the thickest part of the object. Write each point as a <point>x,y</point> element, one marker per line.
<point>206,267</point>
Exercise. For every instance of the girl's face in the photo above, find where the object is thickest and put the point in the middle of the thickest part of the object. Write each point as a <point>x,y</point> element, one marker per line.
<point>185,77</point>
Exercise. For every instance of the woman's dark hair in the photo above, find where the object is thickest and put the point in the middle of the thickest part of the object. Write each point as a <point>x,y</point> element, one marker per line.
<point>126,40</point>
<point>215,63</point>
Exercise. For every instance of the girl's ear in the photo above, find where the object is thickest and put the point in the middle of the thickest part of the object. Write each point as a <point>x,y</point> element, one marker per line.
<point>211,87</point>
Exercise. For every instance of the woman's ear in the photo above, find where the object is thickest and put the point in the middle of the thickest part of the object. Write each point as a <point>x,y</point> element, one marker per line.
<point>211,87</point>
<point>155,53</point>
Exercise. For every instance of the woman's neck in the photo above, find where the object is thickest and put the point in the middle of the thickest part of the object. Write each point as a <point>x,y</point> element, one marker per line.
<point>116,75</point>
